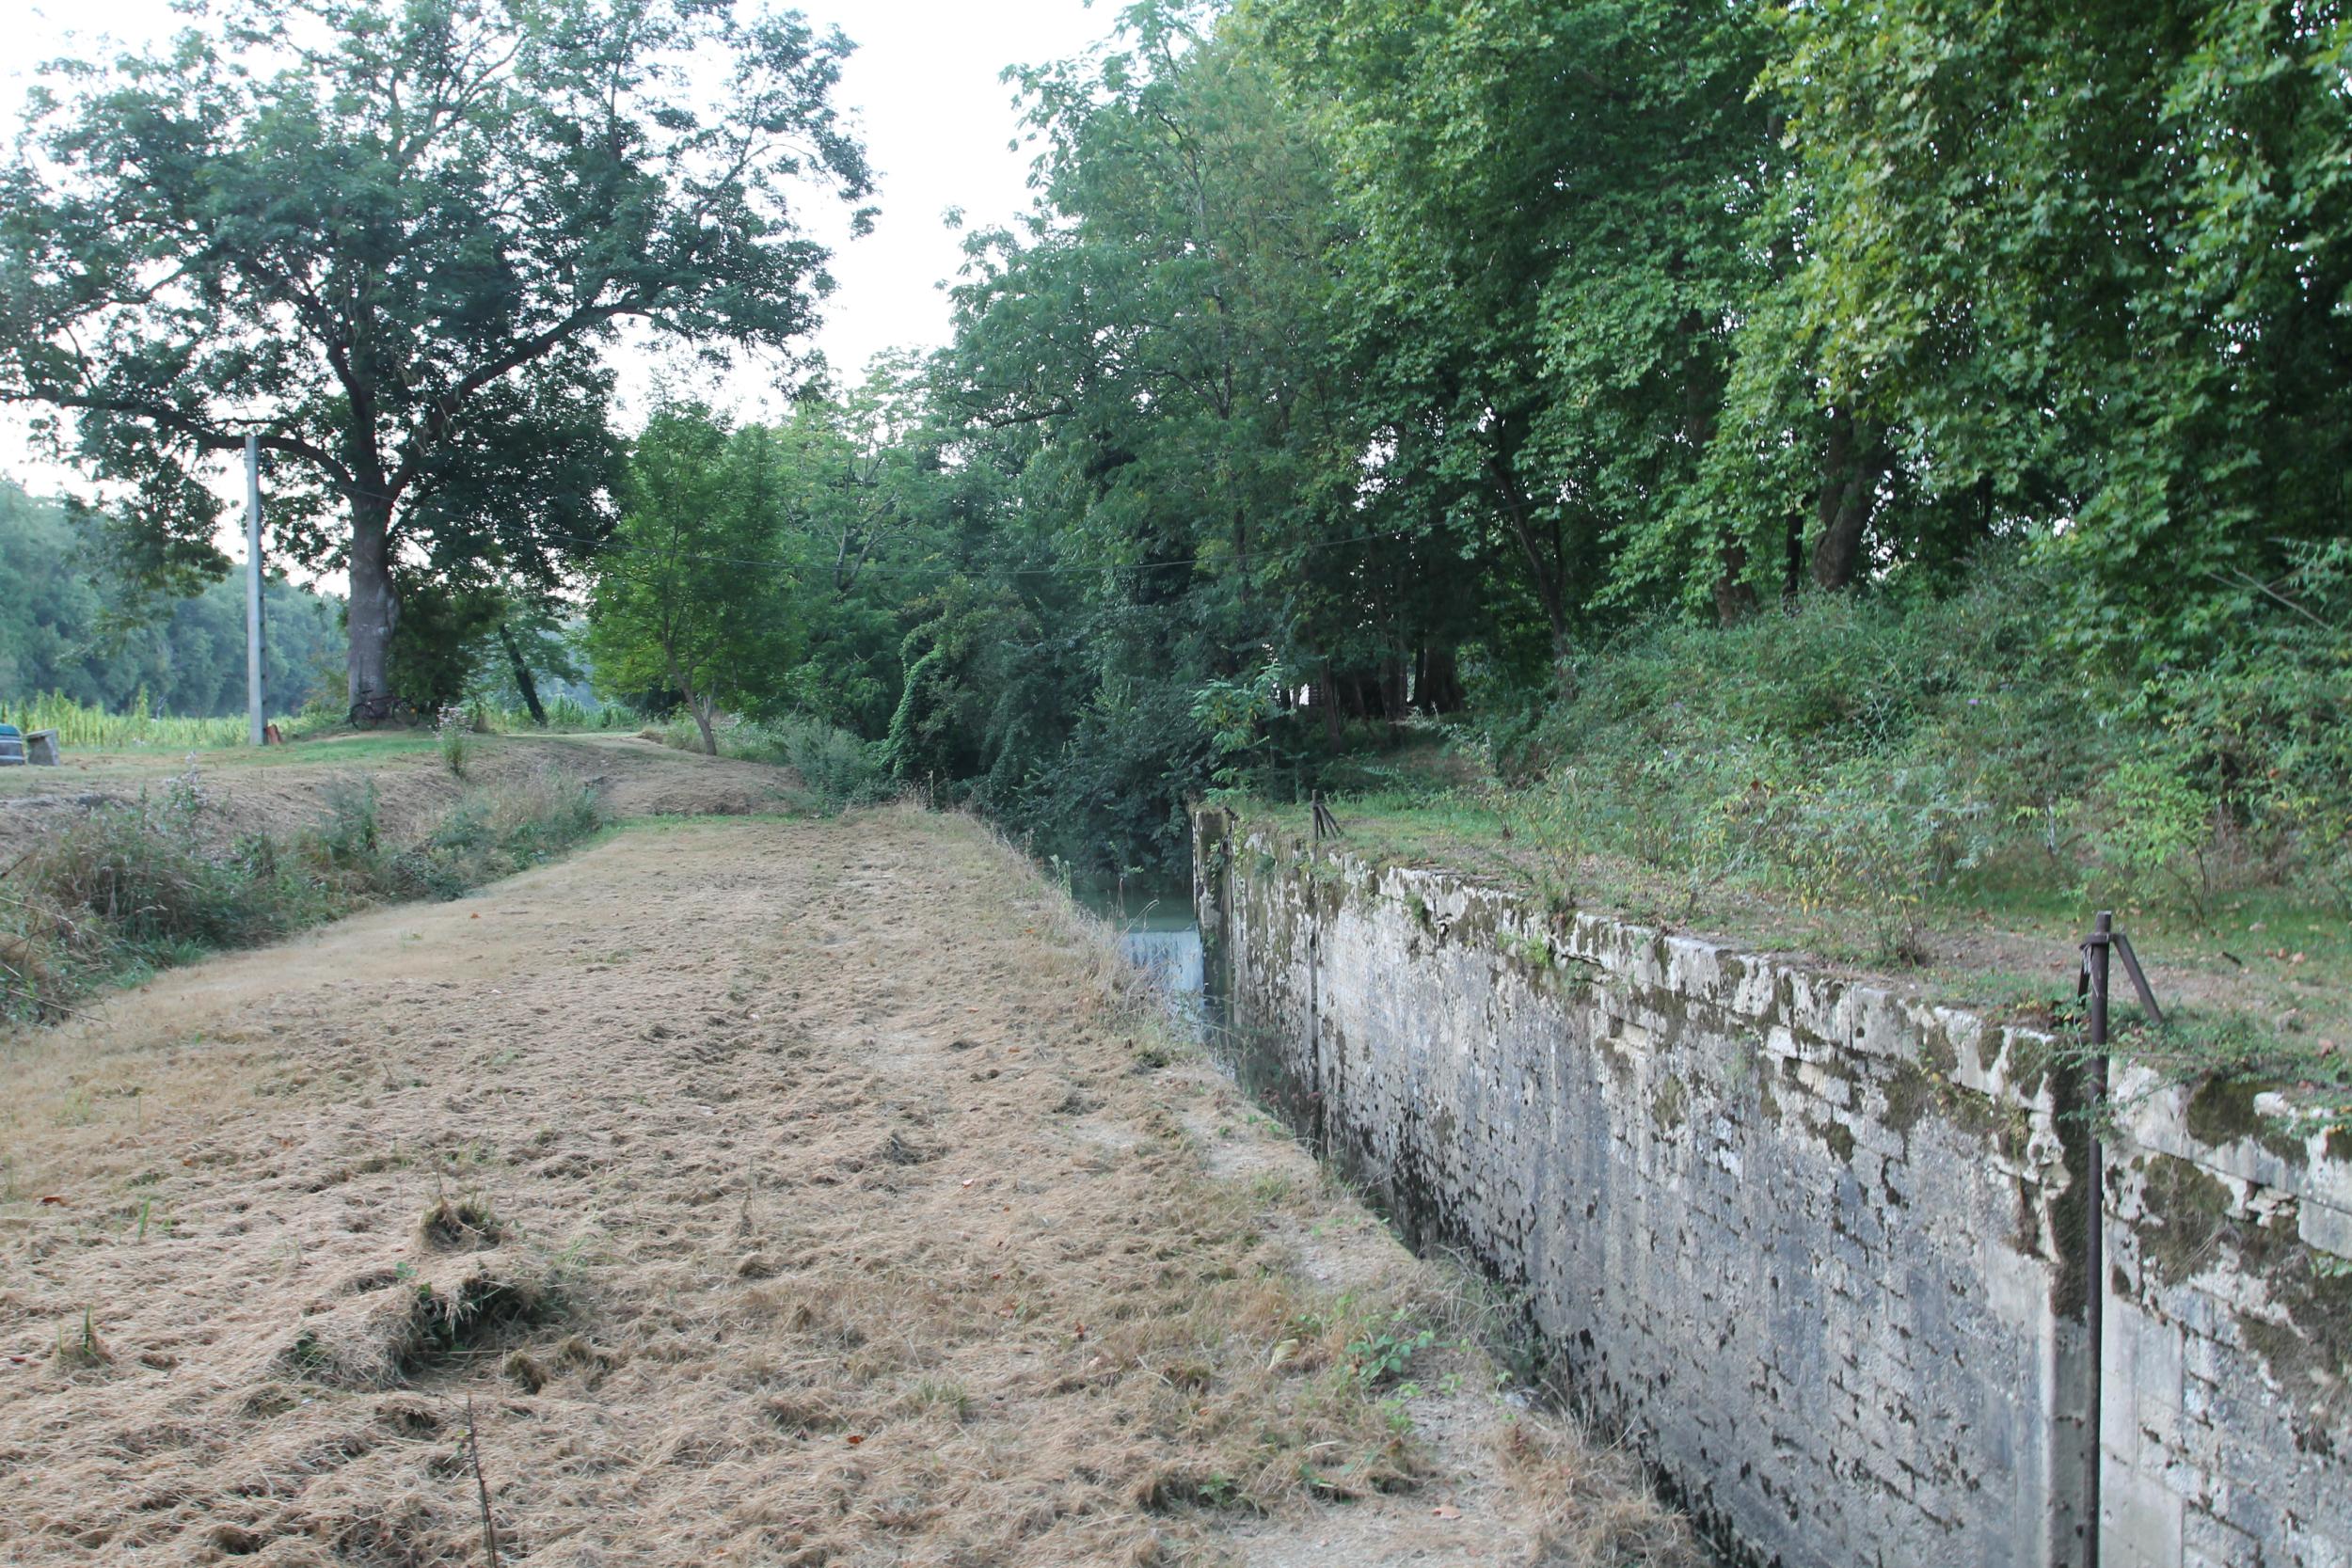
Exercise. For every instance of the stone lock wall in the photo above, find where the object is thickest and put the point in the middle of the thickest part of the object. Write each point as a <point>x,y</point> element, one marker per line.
<point>1817,1249</point>
<point>2227,1412</point>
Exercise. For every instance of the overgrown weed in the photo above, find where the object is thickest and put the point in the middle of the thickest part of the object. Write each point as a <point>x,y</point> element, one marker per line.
<point>133,888</point>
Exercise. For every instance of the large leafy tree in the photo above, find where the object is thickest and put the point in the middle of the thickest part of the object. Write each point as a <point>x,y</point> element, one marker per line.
<point>692,597</point>
<point>2089,266</point>
<point>389,238</point>
<point>1149,361</point>
<point>1553,200</point>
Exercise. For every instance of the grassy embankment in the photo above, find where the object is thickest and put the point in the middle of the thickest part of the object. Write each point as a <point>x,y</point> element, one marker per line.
<point>154,875</point>
<point>1928,794</point>
<point>138,884</point>
<point>828,1196</point>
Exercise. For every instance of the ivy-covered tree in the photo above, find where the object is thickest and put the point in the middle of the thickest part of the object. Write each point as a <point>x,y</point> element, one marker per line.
<point>389,238</point>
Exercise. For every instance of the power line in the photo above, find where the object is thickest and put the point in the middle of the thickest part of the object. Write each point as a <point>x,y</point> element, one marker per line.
<point>771,564</point>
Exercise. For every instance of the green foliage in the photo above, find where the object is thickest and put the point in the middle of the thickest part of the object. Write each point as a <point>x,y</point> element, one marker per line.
<point>1385,1352</point>
<point>349,837</point>
<point>90,728</point>
<point>455,734</point>
<point>2263,731</point>
<point>1868,449</point>
<point>494,833</point>
<point>2128,220</point>
<point>688,599</point>
<point>1861,756</point>
<point>1234,713</point>
<point>136,882</point>
<point>571,713</point>
<point>835,765</point>
<point>2159,826</point>
<point>1552,203</point>
<point>837,771</point>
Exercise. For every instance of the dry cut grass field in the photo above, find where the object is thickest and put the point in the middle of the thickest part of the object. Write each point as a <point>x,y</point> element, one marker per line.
<point>753,1192</point>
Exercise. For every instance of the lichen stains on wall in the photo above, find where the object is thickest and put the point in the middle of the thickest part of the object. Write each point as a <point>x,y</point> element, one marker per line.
<point>1813,1245</point>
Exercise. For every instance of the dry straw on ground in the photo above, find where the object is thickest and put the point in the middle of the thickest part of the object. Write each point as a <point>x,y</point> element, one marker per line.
<point>779,1193</point>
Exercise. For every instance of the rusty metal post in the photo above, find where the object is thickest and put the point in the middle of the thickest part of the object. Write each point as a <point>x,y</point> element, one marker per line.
<point>2096,952</point>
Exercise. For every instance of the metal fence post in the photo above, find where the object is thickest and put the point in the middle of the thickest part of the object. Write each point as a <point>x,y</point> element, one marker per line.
<point>2096,951</point>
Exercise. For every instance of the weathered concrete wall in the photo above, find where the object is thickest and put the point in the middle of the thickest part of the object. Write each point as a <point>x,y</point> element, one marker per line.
<point>1817,1248</point>
<point>2227,1418</point>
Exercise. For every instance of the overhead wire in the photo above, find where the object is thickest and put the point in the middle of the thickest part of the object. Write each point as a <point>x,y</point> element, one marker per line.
<point>773,564</point>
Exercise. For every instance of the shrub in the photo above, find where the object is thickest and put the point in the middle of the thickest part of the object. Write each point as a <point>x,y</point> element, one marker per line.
<point>348,837</point>
<point>835,765</point>
<point>495,833</point>
<point>2158,829</point>
<point>837,769</point>
<point>457,734</point>
<point>140,873</point>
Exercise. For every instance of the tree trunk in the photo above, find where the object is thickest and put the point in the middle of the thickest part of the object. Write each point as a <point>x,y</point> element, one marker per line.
<point>1735,596</point>
<point>1545,575</point>
<point>523,681</point>
<point>373,611</point>
<point>698,705</point>
<point>1440,689</point>
<point>1394,683</point>
<point>1848,478</point>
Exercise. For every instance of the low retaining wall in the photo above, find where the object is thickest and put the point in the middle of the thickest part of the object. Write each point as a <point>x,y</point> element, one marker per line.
<point>1815,1248</point>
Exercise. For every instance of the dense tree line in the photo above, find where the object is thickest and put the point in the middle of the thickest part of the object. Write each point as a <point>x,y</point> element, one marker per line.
<point>63,627</point>
<point>1358,359</point>
<point>1390,355</point>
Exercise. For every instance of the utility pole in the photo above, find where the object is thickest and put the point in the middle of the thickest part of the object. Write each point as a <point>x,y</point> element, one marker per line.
<point>253,584</point>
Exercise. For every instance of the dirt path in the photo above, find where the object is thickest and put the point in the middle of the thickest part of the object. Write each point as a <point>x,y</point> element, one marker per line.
<point>775,1193</point>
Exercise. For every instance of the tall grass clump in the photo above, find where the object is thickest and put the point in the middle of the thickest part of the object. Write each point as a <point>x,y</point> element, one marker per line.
<point>455,729</point>
<point>571,713</point>
<point>87,727</point>
<point>493,833</point>
<point>131,888</point>
<point>134,887</point>
<point>564,713</point>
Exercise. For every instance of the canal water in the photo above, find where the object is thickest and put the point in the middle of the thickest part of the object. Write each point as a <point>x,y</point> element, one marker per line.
<point>1159,931</point>
<point>1160,934</point>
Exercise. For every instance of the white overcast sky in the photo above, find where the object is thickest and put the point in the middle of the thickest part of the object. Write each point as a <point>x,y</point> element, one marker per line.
<point>923,84</point>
